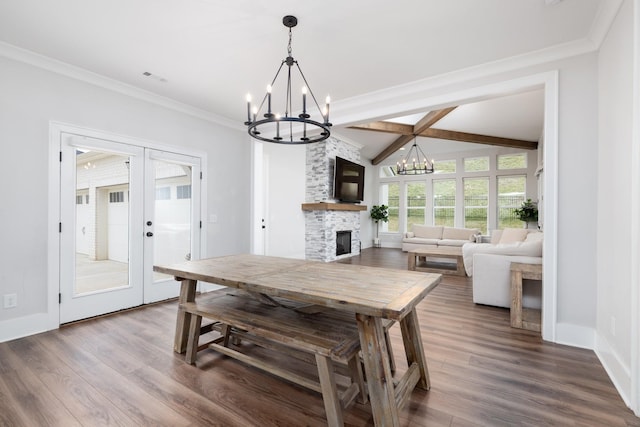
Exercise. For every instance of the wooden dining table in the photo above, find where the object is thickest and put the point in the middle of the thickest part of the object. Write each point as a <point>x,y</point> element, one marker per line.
<point>370,293</point>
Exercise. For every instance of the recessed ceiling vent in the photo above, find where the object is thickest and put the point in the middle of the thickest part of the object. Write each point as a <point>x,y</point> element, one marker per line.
<point>154,76</point>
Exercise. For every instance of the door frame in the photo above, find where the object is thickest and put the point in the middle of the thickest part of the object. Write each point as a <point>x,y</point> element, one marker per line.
<point>56,131</point>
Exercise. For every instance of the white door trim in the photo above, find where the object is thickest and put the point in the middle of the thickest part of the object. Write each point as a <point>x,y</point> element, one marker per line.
<point>51,320</point>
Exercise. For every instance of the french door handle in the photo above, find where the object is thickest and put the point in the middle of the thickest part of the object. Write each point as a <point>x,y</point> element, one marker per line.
<point>149,234</point>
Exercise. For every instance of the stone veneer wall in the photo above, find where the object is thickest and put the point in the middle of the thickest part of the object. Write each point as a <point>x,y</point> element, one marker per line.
<point>321,226</point>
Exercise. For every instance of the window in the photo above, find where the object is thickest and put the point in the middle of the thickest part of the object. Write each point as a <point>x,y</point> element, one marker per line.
<point>511,191</point>
<point>390,196</point>
<point>476,164</point>
<point>86,199</point>
<point>444,202</point>
<point>512,161</point>
<point>387,171</point>
<point>444,166</point>
<point>116,197</point>
<point>163,193</point>
<point>183,191</point>
<point>416,203</point>
<point>476,203</point>
<point>79,200</point>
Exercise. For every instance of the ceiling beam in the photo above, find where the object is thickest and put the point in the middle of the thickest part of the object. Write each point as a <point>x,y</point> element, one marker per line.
<point>430,119</point>
<point>423,124</point>
<point>392,148</point>
<point>479,139</point>
<point>387,127</point>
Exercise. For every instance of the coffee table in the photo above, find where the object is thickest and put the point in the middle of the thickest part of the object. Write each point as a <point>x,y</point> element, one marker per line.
<point>419,260</point>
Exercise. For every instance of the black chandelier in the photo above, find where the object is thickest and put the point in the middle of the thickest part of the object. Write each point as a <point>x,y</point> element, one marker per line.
<point>270,126</point>
<point>416,163</point>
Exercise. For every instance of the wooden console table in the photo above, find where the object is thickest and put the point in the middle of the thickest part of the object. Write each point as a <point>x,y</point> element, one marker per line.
<point>524,318</point>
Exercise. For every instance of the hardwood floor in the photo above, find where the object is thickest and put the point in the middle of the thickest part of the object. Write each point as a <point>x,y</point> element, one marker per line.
<point>121,370</point>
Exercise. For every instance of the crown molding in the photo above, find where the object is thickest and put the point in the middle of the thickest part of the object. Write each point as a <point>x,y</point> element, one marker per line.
<point>53,65</point>
<point>411,97</point>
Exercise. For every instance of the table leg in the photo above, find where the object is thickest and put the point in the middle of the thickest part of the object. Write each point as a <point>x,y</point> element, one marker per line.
<point>187,294</point>
<point>378,371</point>
<point>516,298</point>
<point>413,347</point>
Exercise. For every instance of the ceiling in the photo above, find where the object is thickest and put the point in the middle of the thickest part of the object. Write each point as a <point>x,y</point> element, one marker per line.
<point>207,54</point>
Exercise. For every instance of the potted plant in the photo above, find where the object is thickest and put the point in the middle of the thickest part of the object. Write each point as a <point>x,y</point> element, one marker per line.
<point>528,213</point>
<point>379,213</point>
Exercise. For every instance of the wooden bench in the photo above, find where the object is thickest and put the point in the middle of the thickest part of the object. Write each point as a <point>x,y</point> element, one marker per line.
<point>329,335</point>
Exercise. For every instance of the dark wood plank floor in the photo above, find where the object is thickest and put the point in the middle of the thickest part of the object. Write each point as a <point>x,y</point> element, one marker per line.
<point>121,370</point>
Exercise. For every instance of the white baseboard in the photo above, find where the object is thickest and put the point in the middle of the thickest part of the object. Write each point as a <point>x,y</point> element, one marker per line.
<point>575,336</point>
<point>619,373</point>
<point>24,326</point>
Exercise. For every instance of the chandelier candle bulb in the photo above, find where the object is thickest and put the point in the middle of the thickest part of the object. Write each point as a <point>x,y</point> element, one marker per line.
<point>326,109</point>
<point>278,138</point>
<point>304,100</point>
<point>249,108</point>
<point>268,100</point>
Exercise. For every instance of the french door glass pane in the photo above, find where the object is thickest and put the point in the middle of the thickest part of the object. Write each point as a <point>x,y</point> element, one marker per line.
<point>172,228</point>
<point>476,203</point>
<point>511,194</point>
<point>444,202</point>
<point>416,203</point>
<point>102,222</point>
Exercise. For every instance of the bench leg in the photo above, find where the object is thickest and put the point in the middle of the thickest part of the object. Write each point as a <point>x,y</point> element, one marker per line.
<point>194,337</point>
<point>332,406</point>
<point>357,377</point>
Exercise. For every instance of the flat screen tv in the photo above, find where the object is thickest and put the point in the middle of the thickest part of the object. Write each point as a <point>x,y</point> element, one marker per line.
<point>349,181</point>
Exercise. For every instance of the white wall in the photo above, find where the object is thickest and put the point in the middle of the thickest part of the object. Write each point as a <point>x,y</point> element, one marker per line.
<point>614,198</point>
<point>31,98</point>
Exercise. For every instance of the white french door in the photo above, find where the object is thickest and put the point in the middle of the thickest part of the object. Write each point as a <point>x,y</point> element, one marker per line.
<point>123,208</point>
<point>172,218</point>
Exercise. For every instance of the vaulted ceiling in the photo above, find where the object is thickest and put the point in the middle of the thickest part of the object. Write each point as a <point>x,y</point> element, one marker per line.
<point>207,54</point>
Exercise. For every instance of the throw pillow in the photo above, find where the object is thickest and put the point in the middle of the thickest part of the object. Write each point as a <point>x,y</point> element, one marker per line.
<point>535,236</point>
<point>460,233</point>
<point>513,235</point>
<point>495,236</point>
<point>427,232</point>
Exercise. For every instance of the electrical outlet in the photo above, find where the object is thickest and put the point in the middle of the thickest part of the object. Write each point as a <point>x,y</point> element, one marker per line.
<point>10,300</point>
<point>613,326</point>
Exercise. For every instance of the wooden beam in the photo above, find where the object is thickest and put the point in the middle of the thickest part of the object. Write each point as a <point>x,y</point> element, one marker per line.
<point>430,119</point>
<point>479,139</point>
<point>423,124</point>
<point>387,127</point>
<point>392,148</point>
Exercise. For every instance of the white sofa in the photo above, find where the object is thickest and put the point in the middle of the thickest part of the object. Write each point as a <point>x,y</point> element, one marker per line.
<point>489,265</point>
<point>426,236</point>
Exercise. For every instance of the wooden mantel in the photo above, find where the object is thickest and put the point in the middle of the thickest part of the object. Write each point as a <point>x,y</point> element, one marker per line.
<point>326,206</point>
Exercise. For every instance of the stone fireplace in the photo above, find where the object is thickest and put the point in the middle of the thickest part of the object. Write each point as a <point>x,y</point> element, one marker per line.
<point>324,216</point>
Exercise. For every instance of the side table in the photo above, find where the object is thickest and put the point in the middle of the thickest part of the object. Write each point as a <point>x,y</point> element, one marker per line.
<point>524,318</point>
